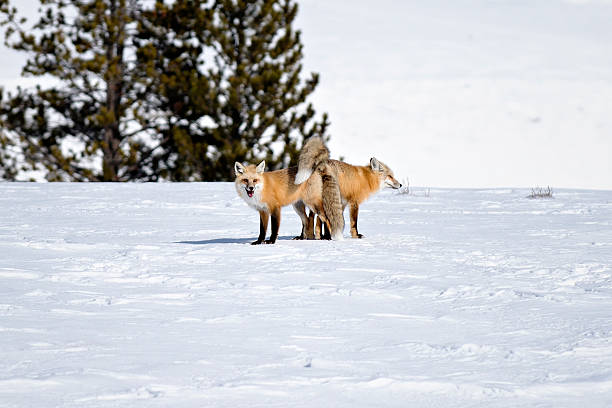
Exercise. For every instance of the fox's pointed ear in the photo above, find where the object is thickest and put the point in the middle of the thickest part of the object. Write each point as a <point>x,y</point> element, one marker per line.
<point>261,167</point>
<point>239,168</point>
<point>375,164</point>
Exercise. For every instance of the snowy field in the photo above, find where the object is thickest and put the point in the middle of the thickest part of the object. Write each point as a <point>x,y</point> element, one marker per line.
<point>444,88</point>
<point>149,295</point>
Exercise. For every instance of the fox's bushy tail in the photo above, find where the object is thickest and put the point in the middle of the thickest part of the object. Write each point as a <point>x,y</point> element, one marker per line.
<point>332,200</point>
<point>315,157</point>
<point>314,152</point>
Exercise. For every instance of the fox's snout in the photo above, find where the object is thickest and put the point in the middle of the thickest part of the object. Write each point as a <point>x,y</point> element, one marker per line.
<point>250,191</point>
<point>393,183</point>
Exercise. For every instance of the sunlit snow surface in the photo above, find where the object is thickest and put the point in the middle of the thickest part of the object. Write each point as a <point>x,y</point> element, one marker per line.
<point>149,295</point>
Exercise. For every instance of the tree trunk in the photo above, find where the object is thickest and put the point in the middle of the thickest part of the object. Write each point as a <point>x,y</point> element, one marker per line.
<point>114,94</point>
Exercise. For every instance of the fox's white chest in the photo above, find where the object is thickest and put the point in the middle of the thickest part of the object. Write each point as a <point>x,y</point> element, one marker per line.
<point>255,201</point>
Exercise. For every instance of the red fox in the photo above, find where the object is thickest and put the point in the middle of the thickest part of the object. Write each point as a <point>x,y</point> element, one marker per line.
<point>268,192</point>
<point>356,184</point>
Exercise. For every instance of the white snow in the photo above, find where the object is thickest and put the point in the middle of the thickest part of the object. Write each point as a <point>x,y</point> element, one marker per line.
<point>149,295</point>
<point>443,89</point>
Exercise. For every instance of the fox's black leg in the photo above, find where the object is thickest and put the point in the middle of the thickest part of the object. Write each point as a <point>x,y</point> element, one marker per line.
<point>276,215</point>
<point>300,209</point>
<point>326,231</point>
<point>354,214</point>
<point>325,226</point>
<point>263,228</point>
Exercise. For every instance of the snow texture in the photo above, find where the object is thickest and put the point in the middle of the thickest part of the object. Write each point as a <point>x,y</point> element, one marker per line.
<point>149,295</point>
<point>442,89</point>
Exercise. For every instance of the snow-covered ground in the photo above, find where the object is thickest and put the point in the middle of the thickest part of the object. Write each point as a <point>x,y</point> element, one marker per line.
<point>443,89</point>
<point>149,295</point>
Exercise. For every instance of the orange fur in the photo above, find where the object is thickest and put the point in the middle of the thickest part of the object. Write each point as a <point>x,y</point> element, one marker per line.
<point>280,189</point>
<point>358,183</point>
<point>275,189</point>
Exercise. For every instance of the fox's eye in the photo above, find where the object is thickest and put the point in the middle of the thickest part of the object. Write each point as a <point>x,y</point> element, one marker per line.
<point>245,181</point>
<point>255,180</point>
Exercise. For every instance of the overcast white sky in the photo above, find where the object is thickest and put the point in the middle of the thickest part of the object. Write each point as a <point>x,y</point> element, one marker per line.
<point>459,93</point>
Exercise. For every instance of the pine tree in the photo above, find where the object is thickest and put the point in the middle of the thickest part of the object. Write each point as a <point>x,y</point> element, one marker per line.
<point>8,160</point>
<point>231,82</point>
<point>172,41</point>
<point>91,122</point>
<point>258,68</point>
<point>176,91</point>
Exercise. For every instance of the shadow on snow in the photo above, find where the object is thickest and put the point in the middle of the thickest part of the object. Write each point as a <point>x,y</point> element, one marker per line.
<point>228,241</point>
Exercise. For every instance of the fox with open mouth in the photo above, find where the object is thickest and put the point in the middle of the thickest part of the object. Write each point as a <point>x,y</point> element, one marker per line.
<point>307,185</point>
